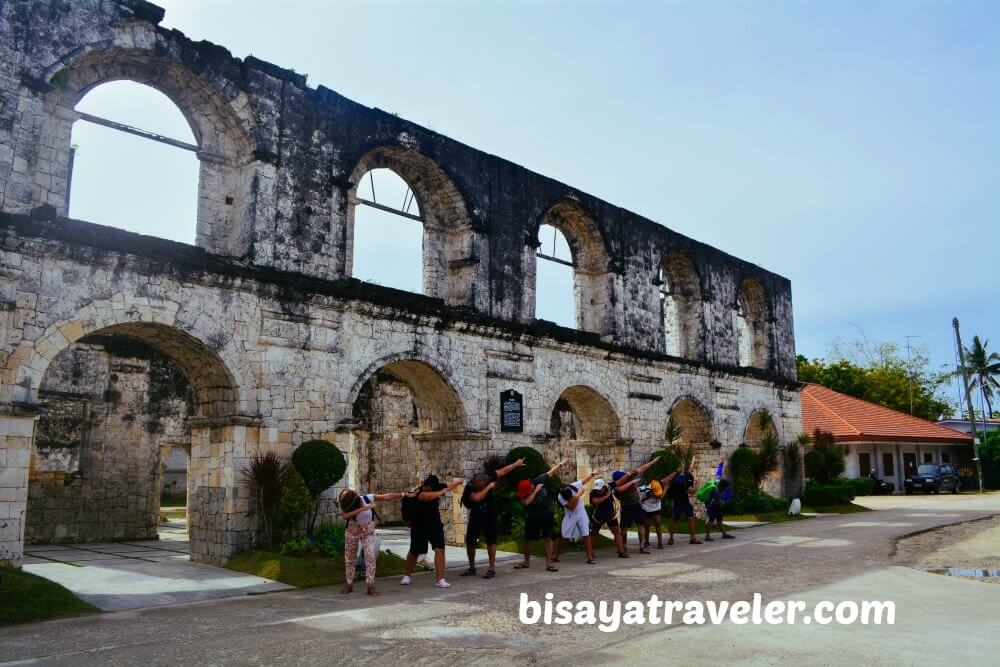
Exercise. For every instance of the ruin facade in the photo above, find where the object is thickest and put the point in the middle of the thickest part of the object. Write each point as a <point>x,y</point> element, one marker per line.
<point>116,345</point>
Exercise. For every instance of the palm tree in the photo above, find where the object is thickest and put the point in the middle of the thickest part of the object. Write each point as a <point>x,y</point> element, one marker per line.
<point>983,370</point>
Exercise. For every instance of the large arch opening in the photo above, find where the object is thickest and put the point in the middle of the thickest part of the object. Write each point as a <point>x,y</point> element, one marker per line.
<point>394,186</point>
<point>410,422</point>
<point>113,405</point>
<point>144,181</point>
<point>218,138</point>
<point>751,323</point>
<point>680,301</point>
<point>588,260</point>
<point>696,433</point>
<point>554,278</point>
<point>584,427</point>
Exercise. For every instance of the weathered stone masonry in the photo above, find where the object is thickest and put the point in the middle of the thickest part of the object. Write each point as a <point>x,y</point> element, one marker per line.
<point>275,340</point>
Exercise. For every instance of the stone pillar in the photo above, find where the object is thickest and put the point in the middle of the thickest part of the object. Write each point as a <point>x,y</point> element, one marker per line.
<point>218,501</point>
<point>16,433</point>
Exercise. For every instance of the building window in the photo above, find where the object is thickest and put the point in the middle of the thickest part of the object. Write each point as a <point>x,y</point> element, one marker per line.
<point>928,457</point>
<point>945,457</point>
<point>388,232</point>
<point>554,289</point>
<point>888,464</point>
<point>864,464</point>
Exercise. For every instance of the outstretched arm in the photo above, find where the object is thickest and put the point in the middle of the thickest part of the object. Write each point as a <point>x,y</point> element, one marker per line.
<point>387,496</point>
<point>646,466</point>
<point>434,495</point>
<point>589,478</point>
<point>551,471</point>
<point>666,480</point>
<point>507,469</point>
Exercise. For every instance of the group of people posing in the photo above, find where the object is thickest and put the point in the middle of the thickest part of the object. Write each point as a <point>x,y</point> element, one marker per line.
<point>627,499</point>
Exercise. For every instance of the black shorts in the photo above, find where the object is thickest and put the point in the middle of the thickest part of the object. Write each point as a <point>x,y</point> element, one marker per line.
<point>633,514</point>
<point>481,525</point>
<point>537,527</point>
<point>682,510</point>
<point>714,513</point>
<point>596,524</point>
<point>421,535</point>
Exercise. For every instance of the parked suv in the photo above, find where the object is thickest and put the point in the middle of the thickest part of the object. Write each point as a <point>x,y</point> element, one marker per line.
<point>933,478</point>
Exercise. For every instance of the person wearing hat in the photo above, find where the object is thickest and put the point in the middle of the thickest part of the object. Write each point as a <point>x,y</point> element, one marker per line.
<point>575,520</point>
<point>652,505</point>
<point>626,488</point>
<point>427,527</point>
<point>605,512</point>
<point>538,522</point>
<point>477,497</point>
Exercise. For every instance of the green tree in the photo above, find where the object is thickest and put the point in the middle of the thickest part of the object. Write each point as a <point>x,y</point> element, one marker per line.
<point>983,370</point>
<point>295,500</point>
<point>825,459</point>
<point>321,465</point>
<point>878,373</point>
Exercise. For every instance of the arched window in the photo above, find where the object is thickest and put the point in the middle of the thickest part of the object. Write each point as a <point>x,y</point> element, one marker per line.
<point>388,232</point>
<point>577,246</point>
<point>133,162</point>
<point>751,325</point>
<point>680,300</point>
<point>555,300</point>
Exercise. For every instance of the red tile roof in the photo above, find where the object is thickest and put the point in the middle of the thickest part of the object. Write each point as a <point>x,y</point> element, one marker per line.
<point>853,420</point>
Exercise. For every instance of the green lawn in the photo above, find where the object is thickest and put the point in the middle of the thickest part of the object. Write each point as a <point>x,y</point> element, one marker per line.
<point>172,513</point>
<point>26,597</point>
<point>305,572</point>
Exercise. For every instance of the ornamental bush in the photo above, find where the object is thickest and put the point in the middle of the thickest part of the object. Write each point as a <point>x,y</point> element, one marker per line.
<point>743,466</point>
<point>295,500</point>
<point>668,463</point>
<point>320,463</point>
<point>534,464</point>
<point>837,493</point>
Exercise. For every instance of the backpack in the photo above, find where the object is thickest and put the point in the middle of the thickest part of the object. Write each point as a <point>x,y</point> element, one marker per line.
<point>705,490</point>
<point>410,507</point>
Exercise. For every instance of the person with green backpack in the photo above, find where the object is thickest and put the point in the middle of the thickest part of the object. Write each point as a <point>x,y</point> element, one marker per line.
<point>714,493</point>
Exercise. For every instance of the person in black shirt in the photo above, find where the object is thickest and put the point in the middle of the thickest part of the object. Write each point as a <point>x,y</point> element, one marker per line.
<point>538,523</point>
<point>680,490</point>
<point>427,527</point>
<point>478,498</point>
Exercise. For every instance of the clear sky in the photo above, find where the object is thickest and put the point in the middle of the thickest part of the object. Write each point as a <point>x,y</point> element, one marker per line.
<point>853,147</point>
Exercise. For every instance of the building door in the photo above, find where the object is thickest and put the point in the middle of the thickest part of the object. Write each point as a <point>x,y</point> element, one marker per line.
<point>928,457</point>
<point>864,464</point>
<point>909,463</point>
<point>888,465</point>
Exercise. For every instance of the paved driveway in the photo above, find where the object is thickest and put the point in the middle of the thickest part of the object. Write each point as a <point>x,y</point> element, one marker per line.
<point>833,557</point>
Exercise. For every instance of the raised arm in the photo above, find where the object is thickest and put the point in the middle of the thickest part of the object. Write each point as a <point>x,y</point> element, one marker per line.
<point>434,495</point>
<point>508,469</point>
<point>353,513</point>
<point>646,466</point>
<point>669,478</point>
<point>551,471</point>
<point>379,497</point>
<point>589,478</point>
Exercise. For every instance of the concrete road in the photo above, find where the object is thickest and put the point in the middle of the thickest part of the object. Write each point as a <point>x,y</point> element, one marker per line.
<point>848,557</point>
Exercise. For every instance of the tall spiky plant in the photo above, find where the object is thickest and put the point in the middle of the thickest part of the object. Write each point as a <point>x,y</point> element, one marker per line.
<point>674,431</point>
<point>264,477</point>
<point>793,463</point>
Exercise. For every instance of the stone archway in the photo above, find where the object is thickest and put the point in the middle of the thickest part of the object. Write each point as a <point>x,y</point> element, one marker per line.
<point>220,435</point>
<point>409,422</point>
<point>752,325</point>
<point>696,433</point>
<point>584,427</point>
<point>681,301</point>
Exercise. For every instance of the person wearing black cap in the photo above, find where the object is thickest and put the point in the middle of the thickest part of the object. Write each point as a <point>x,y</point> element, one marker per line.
<point>625,486</point>
<point>478,498</point>
<point>427,527</point>
<point>680,490</point>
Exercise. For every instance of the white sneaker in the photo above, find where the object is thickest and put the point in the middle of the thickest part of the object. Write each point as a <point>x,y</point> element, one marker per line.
<point>442,584</point>
<point>405,581</point>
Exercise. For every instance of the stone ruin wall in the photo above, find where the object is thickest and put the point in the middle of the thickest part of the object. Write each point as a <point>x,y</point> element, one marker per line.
<point>275,338</point>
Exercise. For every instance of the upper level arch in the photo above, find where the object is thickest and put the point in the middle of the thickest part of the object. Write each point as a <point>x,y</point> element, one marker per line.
<point>591,276</point>
<point>681,307</point>
<point>450,247</point>
<point>752,325</point>
<point>222,127</point>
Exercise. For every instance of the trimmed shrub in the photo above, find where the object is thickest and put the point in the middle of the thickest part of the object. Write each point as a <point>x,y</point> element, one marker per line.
<point>755,502</point>
<point>668,463</point>
<point>863,486</point>
<point>320,463</point>
<point>328,538</point>
<point>534,464</point>
<point>836,493</point>
<point>295,500</point>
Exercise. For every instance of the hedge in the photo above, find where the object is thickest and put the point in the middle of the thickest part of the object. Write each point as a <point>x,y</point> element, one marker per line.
<point>863,486</point>
<point>836,493</point>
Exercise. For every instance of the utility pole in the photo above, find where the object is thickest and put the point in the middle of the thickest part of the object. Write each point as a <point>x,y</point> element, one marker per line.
<point>968,402</point>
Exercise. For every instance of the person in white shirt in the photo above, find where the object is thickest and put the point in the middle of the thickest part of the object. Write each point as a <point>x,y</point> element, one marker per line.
<point>359,512</point>
<point>575,520</point>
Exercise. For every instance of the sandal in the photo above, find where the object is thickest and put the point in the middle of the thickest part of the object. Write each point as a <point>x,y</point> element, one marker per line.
<point>624,554</point>
<point>490,573</point>
<point>521,566</point>
<point>591,561</point>
<point>670,542</point>
<point>556,559</point>
<point>471,572</point>
<point>550,568</point>
<point>695,540</point>
<point>645,550</point>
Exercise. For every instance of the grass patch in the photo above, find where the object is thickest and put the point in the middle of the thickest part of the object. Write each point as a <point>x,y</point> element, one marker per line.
<point>172,513</point>
<point>305,572</point>
<point>27,597</point>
